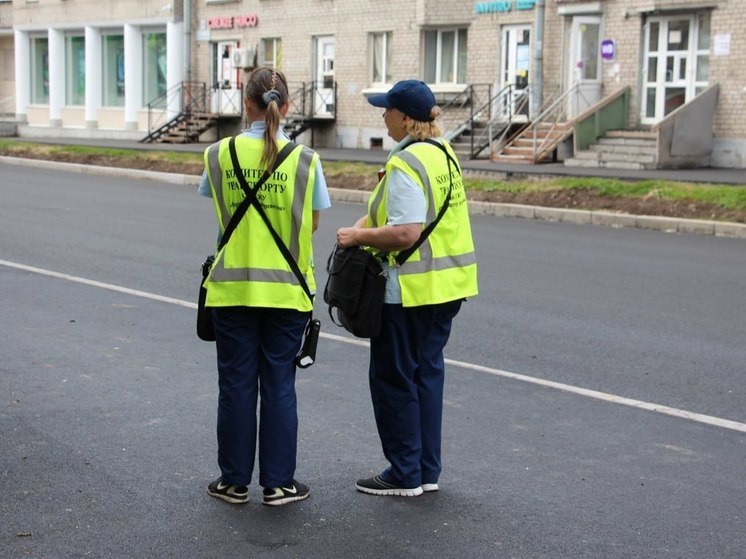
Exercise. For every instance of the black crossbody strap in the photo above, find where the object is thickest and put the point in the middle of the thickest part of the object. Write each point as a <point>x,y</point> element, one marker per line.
<point>246,202</point>
<point>252,200</point>
<point>403,255</point>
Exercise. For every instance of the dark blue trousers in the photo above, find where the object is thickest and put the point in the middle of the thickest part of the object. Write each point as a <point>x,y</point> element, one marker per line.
<point>407,373</point>
<point>256,349</point>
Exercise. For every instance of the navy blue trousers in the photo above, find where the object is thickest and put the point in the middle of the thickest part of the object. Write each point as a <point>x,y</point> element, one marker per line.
<point>256,349</point>
<point>407,373</point>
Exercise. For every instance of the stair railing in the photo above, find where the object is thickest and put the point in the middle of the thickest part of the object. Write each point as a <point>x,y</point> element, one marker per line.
<point>508,104</point>
<point>552,121</point>
<point>610,113</point>
<point>171,105</point>
<point>465,107</point>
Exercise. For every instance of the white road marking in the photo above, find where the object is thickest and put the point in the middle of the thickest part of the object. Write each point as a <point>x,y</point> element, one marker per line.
<point>594,394</point>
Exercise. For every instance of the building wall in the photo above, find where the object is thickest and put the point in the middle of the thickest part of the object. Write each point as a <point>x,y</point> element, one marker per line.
<point>298,22</point>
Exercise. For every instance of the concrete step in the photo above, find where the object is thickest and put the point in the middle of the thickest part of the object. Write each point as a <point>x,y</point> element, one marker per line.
<point>632,134</point>
<point>626,142</point>
<point>624,148</point>
<point>591,163</point>
<point>613,156</point>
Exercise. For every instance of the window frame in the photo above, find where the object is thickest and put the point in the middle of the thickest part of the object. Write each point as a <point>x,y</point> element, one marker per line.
<point>276,61</point>
<point>148,96</point>
<point>458,55</point>
<point>106,94</point>
<point>384,56</point>
<point>75,93</point>
<point>39,70</point>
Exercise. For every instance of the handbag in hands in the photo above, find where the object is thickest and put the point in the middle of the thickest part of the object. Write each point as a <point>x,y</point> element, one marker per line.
<point>355,288</point>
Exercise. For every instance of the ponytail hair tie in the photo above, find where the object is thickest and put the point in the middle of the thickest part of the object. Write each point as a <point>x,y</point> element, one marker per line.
<point>271,95</point>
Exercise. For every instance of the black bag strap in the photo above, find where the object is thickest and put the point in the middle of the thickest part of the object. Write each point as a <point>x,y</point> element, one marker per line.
<point>403,255</point>
<point>252,200</point>
<point>244,205</point>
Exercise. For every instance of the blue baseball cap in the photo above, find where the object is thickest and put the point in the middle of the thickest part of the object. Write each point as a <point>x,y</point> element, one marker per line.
<point>412,97</point>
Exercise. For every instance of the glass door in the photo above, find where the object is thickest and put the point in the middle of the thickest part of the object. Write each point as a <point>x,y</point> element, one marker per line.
<point>323,104</point>
<point>584,63</point>
<point>676,66</point>
<point>226,95</point>
<point>515,62</point>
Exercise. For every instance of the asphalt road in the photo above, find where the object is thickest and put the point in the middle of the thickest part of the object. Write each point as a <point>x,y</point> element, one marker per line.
<point>595,398</point>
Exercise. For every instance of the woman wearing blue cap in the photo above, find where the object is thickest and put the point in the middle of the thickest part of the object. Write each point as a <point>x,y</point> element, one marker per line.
<point>419,202</point>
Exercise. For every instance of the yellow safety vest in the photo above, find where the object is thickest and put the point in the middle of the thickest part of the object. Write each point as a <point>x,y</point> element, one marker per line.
<point>444,267</point>
<point>250,270</point>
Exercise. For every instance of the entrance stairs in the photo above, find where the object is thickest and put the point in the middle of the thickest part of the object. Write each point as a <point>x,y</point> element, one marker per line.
<point>619,149</point>
<point>294,125</point>
<point>463,144</point>
<point>185,128</point>
<point>535,143</point>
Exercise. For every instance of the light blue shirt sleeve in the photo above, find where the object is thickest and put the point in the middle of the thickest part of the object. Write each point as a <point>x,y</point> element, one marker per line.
<point>204,186</point>
<point>405,199</point>
<point>406,204</point>
<point>321,200</point>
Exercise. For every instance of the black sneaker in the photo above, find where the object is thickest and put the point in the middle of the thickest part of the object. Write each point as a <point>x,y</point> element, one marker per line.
<point>377,486</point>
<point>234,494</point>
<point>274,496</point>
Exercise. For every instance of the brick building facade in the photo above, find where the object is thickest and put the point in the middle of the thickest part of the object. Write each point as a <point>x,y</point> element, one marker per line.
<point>75,53</point>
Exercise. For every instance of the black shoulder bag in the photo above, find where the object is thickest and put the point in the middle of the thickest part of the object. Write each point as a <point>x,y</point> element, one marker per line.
<point>356,283</point>
<point>307,355</point>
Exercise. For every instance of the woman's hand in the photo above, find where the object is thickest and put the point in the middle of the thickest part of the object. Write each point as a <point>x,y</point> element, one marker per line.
<point>346,237</point>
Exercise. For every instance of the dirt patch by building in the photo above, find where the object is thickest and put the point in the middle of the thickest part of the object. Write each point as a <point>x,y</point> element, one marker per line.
<point>575,198</point>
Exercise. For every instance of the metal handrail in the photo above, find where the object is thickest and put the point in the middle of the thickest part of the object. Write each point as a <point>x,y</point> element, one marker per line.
<point>172,102</point>
<point>302,98</point>
<point>554,112</point>
<point>472,97</point>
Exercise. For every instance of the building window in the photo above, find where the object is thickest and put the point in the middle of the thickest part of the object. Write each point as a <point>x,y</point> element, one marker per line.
<point>445,55</point>
<point>113,69</point>
<point>75,70</point>
<point>381,57</point>
<point>40,70</point>
<point>272,53</point>
<point>154,69</point>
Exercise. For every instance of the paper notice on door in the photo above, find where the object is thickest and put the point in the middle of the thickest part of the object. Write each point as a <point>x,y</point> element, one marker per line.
<point>721,45</point>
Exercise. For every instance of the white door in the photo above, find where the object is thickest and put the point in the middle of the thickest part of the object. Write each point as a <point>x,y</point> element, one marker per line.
<point>515,64</point>
<point>676,63</point>
<point>226,94</point>
<point>584,63</point>
<point>323,105</point>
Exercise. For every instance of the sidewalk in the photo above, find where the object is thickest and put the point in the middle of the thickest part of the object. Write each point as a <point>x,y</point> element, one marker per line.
<point>736,177</point>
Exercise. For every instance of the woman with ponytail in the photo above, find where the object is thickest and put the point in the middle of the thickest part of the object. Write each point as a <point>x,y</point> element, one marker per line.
<point>259,307</point>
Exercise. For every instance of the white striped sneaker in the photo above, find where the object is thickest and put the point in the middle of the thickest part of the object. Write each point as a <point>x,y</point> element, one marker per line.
<point>377,486</point>
<point>428,487</point>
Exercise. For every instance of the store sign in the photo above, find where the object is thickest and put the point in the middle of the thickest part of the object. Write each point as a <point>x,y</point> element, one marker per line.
<point>503,6</point>
<point>608,50</point>
<point>230,22</point>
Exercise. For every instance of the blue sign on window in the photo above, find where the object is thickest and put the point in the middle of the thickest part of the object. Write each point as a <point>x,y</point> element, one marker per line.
<point>502,6</point>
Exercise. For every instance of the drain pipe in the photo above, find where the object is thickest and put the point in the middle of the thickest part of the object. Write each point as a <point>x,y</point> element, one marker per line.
<point>187,14</point>
<point>537,83</point>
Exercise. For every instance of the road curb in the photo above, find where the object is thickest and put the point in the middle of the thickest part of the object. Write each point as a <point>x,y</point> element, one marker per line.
<point>565,215</point>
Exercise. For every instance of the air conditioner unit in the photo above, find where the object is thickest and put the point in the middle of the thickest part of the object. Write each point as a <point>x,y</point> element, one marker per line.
<point>243,58</point>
